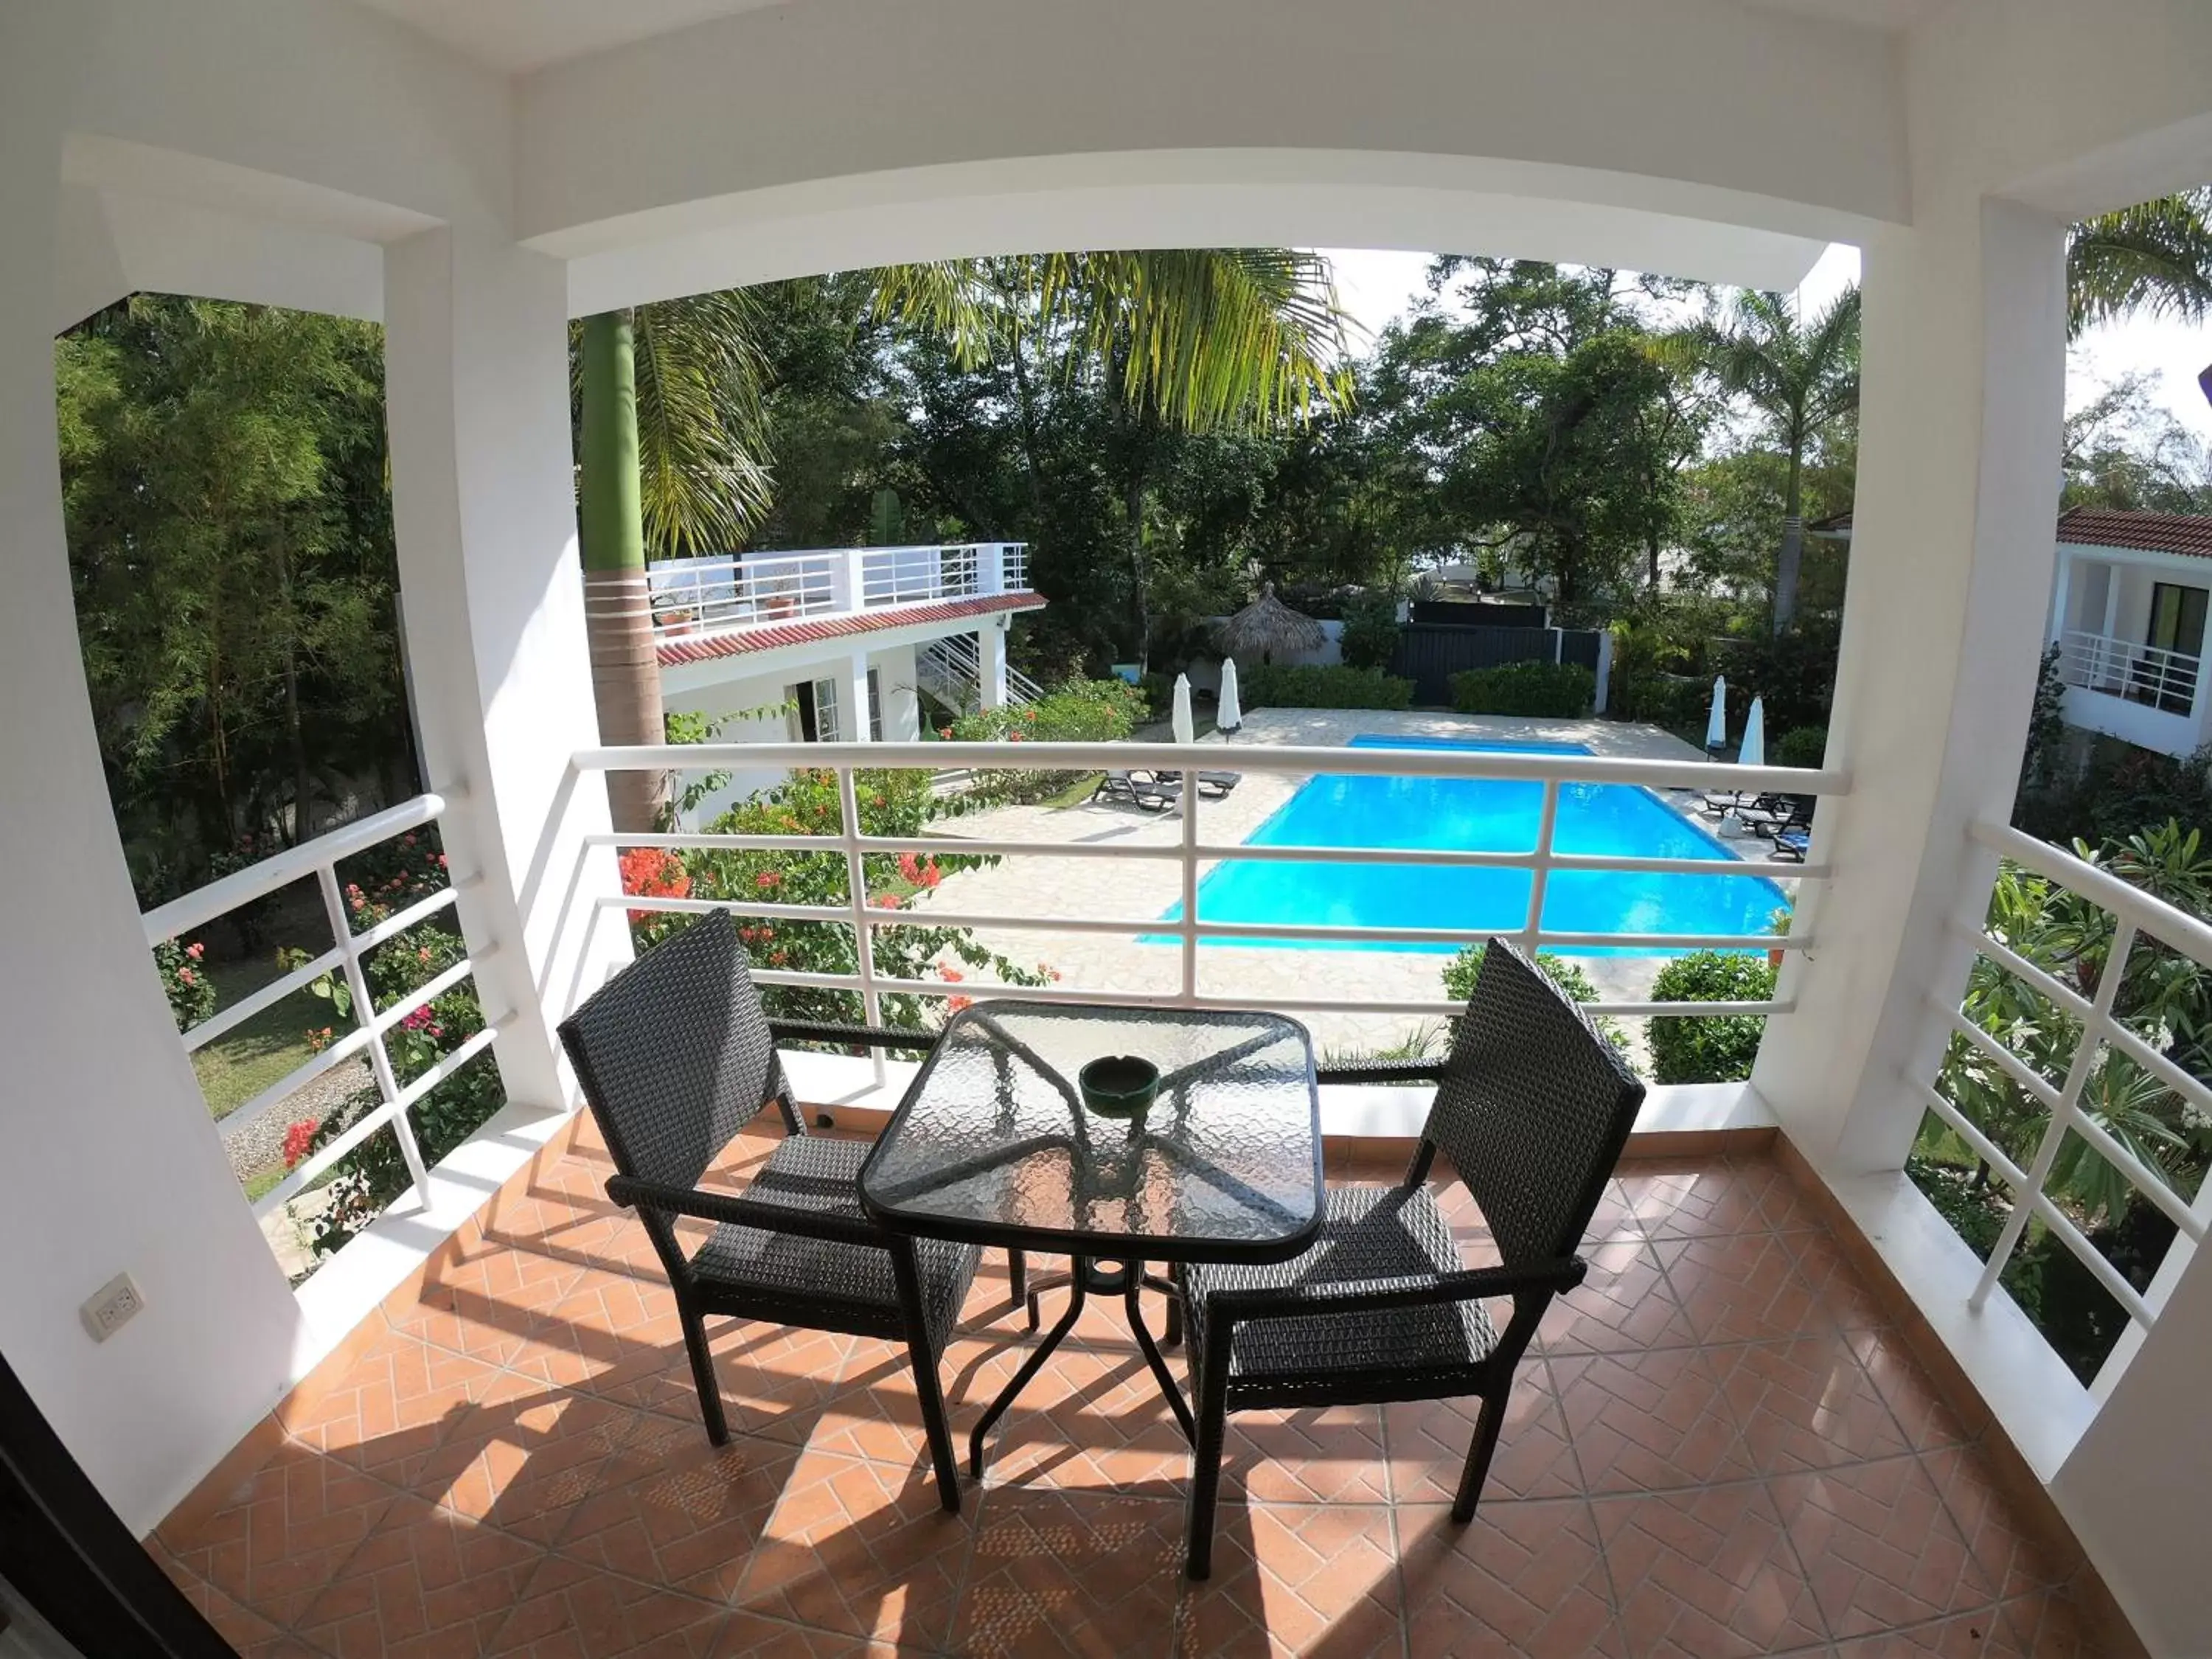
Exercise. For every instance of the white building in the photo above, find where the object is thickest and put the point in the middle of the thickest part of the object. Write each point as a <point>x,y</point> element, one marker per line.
<point>838,645</point>
<point>2128,616</point>
<point>477,175</point>
<point>2128,601</point>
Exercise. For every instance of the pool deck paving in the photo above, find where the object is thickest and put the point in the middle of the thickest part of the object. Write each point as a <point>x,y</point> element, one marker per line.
<point>1143,889</point>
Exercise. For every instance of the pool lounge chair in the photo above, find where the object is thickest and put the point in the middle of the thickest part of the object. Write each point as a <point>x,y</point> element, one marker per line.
<point>1139,789</point>
<point>1771,815</point>
<point>1211,785</point>
<point>1790,845</point>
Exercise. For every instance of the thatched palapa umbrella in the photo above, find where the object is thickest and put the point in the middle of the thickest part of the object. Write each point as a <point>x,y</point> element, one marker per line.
<point>1268,629</point>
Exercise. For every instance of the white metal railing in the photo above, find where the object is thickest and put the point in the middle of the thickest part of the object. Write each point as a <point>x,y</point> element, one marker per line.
<point>706,595</point>
<point>2135,914</point>
<point>319,858</point>
<point>1191,851</point>
<point>719,592</point>
<point>2123,668</point>
<point>950,669</point>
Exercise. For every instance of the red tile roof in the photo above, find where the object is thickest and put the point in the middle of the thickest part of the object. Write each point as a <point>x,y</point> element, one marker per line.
<point>2096,526</point>
<point>705,648</point>
<point>2154,532</point>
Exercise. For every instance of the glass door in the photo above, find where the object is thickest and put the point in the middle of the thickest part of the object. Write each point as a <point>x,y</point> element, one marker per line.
<point>2177,642</point>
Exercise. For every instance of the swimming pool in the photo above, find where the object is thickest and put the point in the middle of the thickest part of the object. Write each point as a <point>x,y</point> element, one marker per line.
<point>1479,814</point>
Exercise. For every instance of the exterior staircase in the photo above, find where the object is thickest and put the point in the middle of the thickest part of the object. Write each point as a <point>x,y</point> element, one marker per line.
<point>950,669</point>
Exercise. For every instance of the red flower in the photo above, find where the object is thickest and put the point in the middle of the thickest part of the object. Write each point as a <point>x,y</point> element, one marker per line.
<point>298,1138</point>
<point>184,976</point>
<point>885,900</point>
<point>909,868</point>
<point>767,880</point>
<point>944,731</point>
<point>932,875</point>
<point>954,1004</point>
<point>423,955</point>
<point>952,976</point>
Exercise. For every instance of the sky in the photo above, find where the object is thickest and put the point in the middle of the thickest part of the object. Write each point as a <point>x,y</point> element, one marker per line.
<point>1376,285</point>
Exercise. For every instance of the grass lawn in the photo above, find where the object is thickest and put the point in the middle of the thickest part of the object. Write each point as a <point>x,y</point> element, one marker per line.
<point>241,1063</point>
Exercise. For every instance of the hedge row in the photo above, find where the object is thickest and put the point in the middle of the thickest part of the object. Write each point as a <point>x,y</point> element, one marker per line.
<point>1272,686</point>
<point>1558,690</point>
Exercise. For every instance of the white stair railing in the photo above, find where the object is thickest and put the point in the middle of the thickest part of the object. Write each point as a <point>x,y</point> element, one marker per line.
<point>950,669</point>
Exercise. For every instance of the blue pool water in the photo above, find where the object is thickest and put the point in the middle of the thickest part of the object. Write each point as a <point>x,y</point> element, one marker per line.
<point>1480,814</point>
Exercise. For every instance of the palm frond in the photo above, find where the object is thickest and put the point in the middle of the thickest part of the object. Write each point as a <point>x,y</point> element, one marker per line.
<point>701,430</point>
<point>2155,256</point>
<point>1209,338</point>
<point>951,298</point>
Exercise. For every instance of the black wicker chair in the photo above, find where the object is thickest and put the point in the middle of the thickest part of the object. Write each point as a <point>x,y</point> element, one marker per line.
<point>676,1055</point>
<point>1532,1109</point>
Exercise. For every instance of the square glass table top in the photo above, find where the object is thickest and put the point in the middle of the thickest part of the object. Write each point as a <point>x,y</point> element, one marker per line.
<point>992,1142</point>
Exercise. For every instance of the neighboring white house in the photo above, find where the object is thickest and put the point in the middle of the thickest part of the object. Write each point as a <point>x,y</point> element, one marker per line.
<point>2128,616</point>
<point>836,645</point>
<point>2127,605</point>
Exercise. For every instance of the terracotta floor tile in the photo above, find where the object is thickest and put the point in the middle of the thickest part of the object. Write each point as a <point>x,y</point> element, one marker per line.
<point>2014,1559</point>
<point>571,1610</point>
<point>526,1466</point>
<point>284,1533</point>
<point>689,1524</point>
<point>2043,1625</point>
<point>1967,1636</point>
<point>1094,1573</point>
<point>1743,1288</point>
<point>607,1325</point>
<point>748,1636</point>
<point>1429,1442</point>
<point>1835,1284</point>
<point>1104,1323</point>
<point>1625,1303</point>
<point>1690,1198</point>
<point>1309,1579</point>
<point>1644,1422</point>
<point>1878,1547</point>
<point>874,1412</point>
<point>774,1379</point>
<point>424,1583</point>
<point>1092,1418</point>
<point>1806,1405</point>
<point>861,1548</point>
<point>1927,1422</point>
<point>1520,1579</point>
<point>1706,1574</point>
<point>1316,1454</point>
<point>238,1625</point>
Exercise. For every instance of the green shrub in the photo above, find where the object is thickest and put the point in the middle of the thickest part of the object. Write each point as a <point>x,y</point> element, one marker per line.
<point>1803,746</point>
<point>1712,1049</point>
<point>1082,711</point>
<point>1370,630</point>
<point>1272,686</point>
<point>1561,690</point>
<point>1462,971</point>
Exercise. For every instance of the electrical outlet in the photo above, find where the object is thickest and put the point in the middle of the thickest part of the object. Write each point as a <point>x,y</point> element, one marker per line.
<point>111,1307</point>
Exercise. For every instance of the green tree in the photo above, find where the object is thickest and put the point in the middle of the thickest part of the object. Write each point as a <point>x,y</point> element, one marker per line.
<point>1800,376</point>
<point>1182,340</point>
<point>2154,257</point>
<point>230,544</point>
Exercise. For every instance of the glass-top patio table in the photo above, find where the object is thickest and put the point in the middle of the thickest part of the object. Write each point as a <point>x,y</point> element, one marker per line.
<point>994,1145</point>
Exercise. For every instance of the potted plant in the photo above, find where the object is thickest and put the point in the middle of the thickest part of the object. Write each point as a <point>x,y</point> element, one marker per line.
<point>678,621</point>
<point>1778,925</point>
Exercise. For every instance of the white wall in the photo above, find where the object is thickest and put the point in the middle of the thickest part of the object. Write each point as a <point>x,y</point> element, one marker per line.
<point>112,1164</point>
<point>732,698</point>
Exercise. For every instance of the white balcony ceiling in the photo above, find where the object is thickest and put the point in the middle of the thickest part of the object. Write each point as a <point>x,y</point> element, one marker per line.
<point>517,36</point>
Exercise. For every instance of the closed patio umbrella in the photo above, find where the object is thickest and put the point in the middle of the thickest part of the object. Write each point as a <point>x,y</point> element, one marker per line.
<point>1229,713</point>
<point>1186,731</point>
<point>1754,752</point>
<point>1717,723</point>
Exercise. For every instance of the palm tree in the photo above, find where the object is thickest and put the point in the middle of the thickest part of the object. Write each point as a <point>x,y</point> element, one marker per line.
<point>671,441</point>
<point>1188,340</point>
<point>2155,256</point>
<point>1801,378</point>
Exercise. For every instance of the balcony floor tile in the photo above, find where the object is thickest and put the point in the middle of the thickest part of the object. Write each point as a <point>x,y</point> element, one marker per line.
<point>1717,1447</point>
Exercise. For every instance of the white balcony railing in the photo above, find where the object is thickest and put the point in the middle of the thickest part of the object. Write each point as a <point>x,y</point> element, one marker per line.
<point>717,593</point>
<point>347,958</point>
<point>2135,916</point>
<point>2147,674</point>
<point>1192,852</point>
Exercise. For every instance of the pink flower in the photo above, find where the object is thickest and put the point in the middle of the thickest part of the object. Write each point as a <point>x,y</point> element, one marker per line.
<point>423,955</point>
<point>195,950</point>
<point>298,1138</point>
<point>931,876</point>
<point>768,879</point>
<point>184,976</point>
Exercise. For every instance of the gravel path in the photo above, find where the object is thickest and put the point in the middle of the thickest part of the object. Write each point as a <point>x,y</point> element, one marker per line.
<point>261,1142</point>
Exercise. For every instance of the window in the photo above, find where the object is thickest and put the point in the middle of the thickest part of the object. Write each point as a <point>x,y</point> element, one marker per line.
<point>828,728</point>
<point>875,705</point>
<point>2176,642</point>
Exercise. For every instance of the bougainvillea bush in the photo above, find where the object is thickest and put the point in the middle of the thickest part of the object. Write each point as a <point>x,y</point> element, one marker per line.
<point>366,1180</point>
<point>185,979</point>
<point>891,803</point>
<point>1082,711</point>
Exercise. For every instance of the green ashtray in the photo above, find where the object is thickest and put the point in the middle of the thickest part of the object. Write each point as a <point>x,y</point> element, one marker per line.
<point>1119,1086</point>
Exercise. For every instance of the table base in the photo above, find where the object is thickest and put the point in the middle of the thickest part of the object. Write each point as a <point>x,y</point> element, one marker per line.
<point>1093,1276</point>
